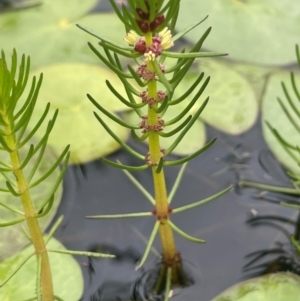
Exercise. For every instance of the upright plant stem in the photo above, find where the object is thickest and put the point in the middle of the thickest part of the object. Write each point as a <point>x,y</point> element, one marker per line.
<point>36,234</point>
<point>170,254</point>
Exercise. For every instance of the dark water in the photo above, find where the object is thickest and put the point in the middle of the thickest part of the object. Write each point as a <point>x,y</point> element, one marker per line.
<point>222,223</point>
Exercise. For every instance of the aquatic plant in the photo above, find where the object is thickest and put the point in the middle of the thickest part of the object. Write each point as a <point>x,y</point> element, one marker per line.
<point>157,71</point>
<point>290,113</point>
<point>289,109</point>
<point>20,160</point>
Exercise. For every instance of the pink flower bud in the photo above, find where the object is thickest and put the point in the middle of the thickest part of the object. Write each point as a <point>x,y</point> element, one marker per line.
<point>140,46</point>
<point>144,27</point>
<point>142,14</point>
<point>157,21</point>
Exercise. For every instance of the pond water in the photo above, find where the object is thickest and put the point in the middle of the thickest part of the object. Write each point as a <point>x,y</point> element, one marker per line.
<point>95,189</point>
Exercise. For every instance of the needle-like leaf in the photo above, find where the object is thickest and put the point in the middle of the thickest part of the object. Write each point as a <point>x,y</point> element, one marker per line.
<point>202,202</point>
<point>149,244</point>
<point>184,235</point>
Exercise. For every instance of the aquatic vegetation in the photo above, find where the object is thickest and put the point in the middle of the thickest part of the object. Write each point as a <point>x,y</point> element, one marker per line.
<point>22,178</point>
<point>149,41</point>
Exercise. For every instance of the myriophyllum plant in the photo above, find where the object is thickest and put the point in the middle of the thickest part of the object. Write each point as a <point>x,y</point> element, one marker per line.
<point>149,26</point>
<point>20,176</point>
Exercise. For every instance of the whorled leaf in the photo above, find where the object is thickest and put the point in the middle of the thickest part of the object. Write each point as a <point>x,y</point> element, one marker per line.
<point>273,113</point>
<point>271,287</point>
<point>232,105</point>
<point>67,277</point>
<point>65,86</point>
<point>12,238</point>
<point>191,142</point>
<point>261,32</point>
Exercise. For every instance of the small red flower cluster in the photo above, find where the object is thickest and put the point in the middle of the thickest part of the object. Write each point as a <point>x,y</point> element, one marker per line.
<point>156,48</point>
<point>150,100</point>
<point>146,74</point>
<point>151,127</point>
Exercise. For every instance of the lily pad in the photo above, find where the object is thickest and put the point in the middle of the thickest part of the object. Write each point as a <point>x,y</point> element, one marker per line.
<point>232,106</point>
<point>261,32</point>
<point>273,113</point>
<point>66,273</point>
<point>12,238</point>
<point>65,86</point>
<point>48,33</point>
<point>256,76</point>
<point>271,287</point>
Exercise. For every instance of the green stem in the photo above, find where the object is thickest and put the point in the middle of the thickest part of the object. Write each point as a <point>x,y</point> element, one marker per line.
<point>30,215</point>
<point>161,199</point>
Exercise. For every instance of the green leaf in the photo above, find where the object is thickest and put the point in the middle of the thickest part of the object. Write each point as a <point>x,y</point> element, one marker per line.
<point>76,124</point>
<point>256,31</point>
<point>23,283</point>
<point>255,75</point>
<point>273,113</point>
<point>271,287</point>
<point>12,238</point>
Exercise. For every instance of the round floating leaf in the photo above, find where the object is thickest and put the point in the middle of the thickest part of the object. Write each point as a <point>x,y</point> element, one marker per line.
<point>65,86</point>
<point>232,105</point>
<point>254,74</point>
<point>256,31</point>
<point>12,238</point>
<point>66,273</point>
<point>271,287</point>
<point>48,33</point>
<point>193,140</point>
<point>273,113</point>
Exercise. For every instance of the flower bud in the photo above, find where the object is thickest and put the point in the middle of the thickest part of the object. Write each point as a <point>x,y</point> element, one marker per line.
<point>157,21</point>
<point>144,27</point>
<point>142,14</point>
<point>140,46</point>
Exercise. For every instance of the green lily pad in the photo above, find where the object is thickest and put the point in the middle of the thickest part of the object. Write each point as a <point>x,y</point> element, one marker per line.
<point>48,33</point>
<point>12,238</point>
<point>271,287</point>
<point>191,142</point>
<point>256,31</point>
<point>65,86</point>
<point>66,273</point>
<point>232,106</point>
<point>273,113</point>
<point>254,74</point>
